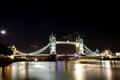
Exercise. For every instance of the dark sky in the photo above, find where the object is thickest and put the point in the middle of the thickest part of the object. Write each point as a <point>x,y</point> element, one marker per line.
<point>29,27</point>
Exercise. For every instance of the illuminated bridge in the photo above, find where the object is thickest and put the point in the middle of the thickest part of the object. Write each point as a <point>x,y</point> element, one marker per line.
<point>81,49</point>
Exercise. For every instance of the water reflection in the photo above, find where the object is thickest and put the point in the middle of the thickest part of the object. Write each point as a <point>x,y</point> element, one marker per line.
<point>19,70</point>
<point>78,72</point>
<point>111,69</point>
<point>5,73</point>
<point>61,70</point>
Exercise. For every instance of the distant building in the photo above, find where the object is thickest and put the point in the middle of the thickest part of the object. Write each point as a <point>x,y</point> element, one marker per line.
<point>117,53</point>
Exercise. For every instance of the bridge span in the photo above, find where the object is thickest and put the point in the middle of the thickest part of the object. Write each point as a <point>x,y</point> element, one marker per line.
<point>81,49</point>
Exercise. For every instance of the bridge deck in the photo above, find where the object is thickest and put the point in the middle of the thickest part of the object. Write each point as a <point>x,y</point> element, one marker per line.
<point>47,55</point>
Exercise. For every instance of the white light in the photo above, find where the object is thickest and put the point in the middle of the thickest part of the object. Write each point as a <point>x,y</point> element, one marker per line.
<point>3,31</point>
<point>36,59</point>
<point>68,41</point>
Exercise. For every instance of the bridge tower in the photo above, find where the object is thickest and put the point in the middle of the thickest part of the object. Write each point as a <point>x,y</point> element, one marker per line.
<point>52,41</point>
<point>79,46</point>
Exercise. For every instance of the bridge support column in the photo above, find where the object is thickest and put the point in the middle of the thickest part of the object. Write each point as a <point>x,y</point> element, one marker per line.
<point>79,46</point>
<point>52,41</point>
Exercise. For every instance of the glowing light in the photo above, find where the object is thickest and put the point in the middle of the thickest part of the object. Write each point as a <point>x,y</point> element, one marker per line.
<point>36,59</point>
<point>68,41</point>
<point>3,32</point>
<point>12,57</point>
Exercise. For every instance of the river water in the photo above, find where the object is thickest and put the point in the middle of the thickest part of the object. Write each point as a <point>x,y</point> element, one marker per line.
<point>62,70</point>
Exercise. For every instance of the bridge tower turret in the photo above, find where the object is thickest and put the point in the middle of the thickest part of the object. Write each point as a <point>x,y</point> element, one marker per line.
<point>79,47</point>
<point>52,41</point>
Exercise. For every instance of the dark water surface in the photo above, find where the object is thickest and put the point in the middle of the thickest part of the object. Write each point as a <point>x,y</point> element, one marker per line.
<point>62,70</point>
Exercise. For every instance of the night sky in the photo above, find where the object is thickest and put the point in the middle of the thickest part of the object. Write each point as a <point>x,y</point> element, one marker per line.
<point>29,27</point>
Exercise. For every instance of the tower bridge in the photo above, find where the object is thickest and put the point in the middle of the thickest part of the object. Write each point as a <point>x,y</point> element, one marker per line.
<point>81,49</point>
<point>52,46</point>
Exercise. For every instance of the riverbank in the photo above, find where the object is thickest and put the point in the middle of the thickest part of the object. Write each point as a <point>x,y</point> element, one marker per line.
<point>4,61</point>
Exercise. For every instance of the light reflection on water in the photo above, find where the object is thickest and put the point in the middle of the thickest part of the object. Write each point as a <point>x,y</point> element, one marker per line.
<point>61,70</point>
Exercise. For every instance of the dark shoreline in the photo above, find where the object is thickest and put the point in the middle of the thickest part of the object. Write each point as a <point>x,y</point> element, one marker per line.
<point>5,62</point>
